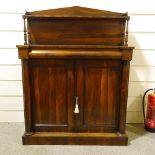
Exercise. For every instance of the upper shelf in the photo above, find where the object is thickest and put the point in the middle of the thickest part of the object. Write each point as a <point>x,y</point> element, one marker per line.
<point>76,12</point>
<point>76,26</point>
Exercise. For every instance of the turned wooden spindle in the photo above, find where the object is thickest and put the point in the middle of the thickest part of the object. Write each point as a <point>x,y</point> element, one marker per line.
<point>28,32</point>
<point>126,33</point>
<point>25,33</point>
<point>123,34</point>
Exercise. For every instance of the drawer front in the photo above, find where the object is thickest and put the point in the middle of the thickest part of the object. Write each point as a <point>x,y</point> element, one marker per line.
<point>52,91</point>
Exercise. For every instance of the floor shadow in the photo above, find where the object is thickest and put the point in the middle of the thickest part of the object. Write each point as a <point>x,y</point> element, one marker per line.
<point>135,131</point>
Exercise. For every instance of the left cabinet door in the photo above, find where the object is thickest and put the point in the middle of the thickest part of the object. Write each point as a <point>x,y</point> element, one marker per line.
<point>52,94</point>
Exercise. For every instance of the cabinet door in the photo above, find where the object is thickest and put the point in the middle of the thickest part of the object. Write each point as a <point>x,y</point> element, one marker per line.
<point>98,90</point>
<point>52,84</point>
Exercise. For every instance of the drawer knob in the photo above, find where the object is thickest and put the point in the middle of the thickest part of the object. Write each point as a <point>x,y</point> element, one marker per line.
<point>76,110</point>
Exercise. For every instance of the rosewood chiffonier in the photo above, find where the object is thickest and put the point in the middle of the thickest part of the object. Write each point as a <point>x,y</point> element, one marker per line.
<point>75,70</point>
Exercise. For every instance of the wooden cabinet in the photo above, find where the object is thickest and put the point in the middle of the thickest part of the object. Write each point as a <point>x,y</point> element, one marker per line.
<point>75,65</point>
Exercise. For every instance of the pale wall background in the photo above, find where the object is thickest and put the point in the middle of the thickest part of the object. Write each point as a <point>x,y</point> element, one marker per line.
<point>142,36</point>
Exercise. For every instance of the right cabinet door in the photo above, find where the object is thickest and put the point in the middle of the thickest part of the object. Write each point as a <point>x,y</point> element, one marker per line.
<point>98,90</point>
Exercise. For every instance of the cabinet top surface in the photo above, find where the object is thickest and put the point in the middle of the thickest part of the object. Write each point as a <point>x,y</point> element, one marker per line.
<point>73,47</point>
<point>76,11</point>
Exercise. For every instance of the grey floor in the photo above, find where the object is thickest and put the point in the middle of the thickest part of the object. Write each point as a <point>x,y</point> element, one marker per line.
<point>140,143</point>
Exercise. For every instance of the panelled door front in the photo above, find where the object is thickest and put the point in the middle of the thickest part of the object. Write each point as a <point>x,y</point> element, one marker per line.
<point>98,84</point>
<point>56,85</point>
<point>52,82</point>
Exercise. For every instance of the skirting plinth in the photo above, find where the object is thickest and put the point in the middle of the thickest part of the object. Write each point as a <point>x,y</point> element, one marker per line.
<point>62,138</point>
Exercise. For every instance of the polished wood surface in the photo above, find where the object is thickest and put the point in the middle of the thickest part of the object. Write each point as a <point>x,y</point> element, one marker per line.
<point>98,86</point>
<point>75,12</point>
<point>75,51</point>
<point>75,76</point>
<point>75,26</point>
<point>62,31</point>
<point>52,85</point>
<point>59,138</point>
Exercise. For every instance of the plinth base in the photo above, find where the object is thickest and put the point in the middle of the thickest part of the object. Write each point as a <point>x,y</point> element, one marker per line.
<point>63,138</point>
